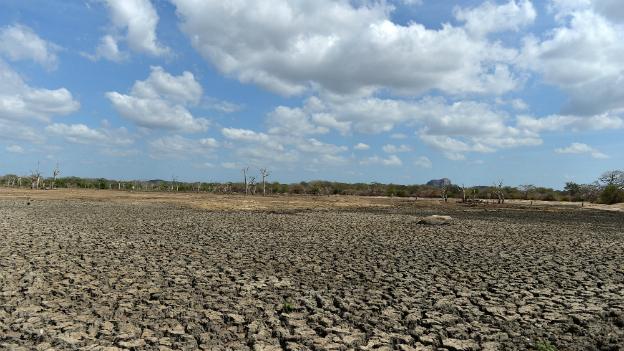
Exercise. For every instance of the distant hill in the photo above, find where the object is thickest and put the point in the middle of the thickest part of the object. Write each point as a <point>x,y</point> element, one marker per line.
<point>439,182</point>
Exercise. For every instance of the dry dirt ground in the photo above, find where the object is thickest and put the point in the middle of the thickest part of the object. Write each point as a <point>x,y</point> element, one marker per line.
<point>108,271</point>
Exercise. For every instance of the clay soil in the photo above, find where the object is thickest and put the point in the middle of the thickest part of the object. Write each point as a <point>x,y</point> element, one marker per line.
<point>88,270</point>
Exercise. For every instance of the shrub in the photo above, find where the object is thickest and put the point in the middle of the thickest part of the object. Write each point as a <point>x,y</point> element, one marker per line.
<point>544,346</point>
<point>287,307</point>
<point>611,194</point>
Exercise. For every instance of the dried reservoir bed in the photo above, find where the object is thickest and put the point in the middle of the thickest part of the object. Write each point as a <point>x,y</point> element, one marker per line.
<point>101,275</point>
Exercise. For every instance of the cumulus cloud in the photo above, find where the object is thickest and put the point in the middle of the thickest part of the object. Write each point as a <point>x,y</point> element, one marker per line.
<point>423,162</point>
<point>259,146</point>
<point>294,121</point>
<point>12,130</point>
<point>583,58</point>
<point>478,125</point>
<point>161,101</point>
<point>19,101</point>
<point>108,49</point>
<point>292,47</point>
<point>222,105</point>
<point>134,22</point>
<point>393,149</point>
<point>391,160</point>
<point>19,42</point>
<point>180,147</point>
<point>452,148</point>
<point>552,123</point>
<point>16,149</point>
<point>82,134</point>
<point>490,17</point>
<point>361,146</point>
<point>580,148</point>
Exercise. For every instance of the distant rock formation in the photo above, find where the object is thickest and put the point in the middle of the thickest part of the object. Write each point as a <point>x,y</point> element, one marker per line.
<point>439,182</point>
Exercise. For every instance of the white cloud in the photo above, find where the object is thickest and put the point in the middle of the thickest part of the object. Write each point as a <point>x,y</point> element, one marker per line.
<point>11,130</point>
<point>16,149</point>
<point>490,17</point>
<point>135,21</point>
<point>19,42</point>
<point>391,160</point>
<point>182,89</point>
<point>222,105</point>
<point>287,147</point>
<point>231,165</point>
<point>583,57</point>
<point>246,135</point>
<point>580,148</point>
<point>423,162</point>
<point>20,101</point>
<point>361,147</point>
<point>82,134</point>
<point>181,147</point>
<point>452,148</point>
<point>292,47</point>
<point>393,149</point>
<point>108,49</point>
<point>317,147</point>
<point>292,121</point>
<point>611,9</point>
<point>571,123</point>
<point>160,102</point>
<point>398,136</point>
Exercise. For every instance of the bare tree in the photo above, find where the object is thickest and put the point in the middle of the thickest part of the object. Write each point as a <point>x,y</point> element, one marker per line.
<point>613,178</point>
<point>35,177</point>
<point>264,173</point>
<point>463,187</point>
<point>55,173</point>
<point>500,191</point>
<point>245,170</point>
<point>252,185</point>
<point>174,183</point>
<point>526,189</point>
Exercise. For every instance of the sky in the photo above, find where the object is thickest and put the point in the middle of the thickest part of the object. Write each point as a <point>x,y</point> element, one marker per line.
<point>404,91</point>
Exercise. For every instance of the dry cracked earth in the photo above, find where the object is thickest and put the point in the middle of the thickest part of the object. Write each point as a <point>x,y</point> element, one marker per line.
<point>80,275</point>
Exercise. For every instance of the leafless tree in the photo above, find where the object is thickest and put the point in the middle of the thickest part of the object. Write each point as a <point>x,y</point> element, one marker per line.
<point>174,183</point>
<point>265,174</point>
<point>613,178</point>
<point>35,177</point>
<point>245,170</point>
<point>55,173</point>
<point>526,189</point>
<point>252,185</point>
<point>500,191</point>
<point>463,193</point>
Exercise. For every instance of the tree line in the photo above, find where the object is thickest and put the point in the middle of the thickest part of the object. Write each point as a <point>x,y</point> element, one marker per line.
<point>609,188</point>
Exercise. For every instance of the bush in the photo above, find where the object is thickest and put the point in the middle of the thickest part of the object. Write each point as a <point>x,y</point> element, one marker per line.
<point>611,194</point>
<point>544,346</point>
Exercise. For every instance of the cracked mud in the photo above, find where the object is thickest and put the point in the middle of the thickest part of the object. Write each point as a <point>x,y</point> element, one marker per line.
<point>81,275</point>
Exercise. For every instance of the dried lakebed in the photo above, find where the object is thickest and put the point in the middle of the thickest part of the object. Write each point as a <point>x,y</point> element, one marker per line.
<point>77,275</point>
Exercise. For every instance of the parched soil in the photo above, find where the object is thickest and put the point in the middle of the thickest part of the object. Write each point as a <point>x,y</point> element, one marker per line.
<point>106,275</point>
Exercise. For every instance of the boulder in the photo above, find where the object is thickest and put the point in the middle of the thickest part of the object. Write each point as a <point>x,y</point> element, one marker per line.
<point>436,220</point>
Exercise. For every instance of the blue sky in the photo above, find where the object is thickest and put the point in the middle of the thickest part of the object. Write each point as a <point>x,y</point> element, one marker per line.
<point>357,91</point>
